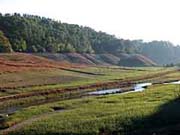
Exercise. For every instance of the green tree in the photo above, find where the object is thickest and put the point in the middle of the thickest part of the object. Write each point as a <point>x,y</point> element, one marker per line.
<point>5,45</point>
<point>69,48</point>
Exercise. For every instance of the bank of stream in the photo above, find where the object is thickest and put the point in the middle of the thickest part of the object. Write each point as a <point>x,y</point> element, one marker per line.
<point>139,87</point>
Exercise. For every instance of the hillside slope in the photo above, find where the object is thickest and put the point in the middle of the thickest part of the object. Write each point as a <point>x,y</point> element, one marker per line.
<point>130,60</point>
<point>34,34</point>
<point>12,62</point>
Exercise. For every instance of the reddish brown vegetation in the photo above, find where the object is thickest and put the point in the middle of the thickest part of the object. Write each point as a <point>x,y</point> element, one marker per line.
<point>19,62</point>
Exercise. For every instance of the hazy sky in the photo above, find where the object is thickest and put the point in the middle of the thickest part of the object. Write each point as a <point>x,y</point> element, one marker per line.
<point>133,19</point>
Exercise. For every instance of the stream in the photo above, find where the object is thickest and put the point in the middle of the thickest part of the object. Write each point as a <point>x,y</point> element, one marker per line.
<point>175,82</point>
<point>136,88</point>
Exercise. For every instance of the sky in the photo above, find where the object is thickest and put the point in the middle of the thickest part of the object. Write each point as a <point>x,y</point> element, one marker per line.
<point>128,19</point>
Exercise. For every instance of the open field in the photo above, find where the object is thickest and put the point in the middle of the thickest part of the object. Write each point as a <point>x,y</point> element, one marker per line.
<point>29,87</point>
<point>37,92</point>
<point>152,111</point>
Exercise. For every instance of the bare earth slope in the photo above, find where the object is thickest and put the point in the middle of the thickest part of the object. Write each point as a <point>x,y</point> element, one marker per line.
<point>102,59</point>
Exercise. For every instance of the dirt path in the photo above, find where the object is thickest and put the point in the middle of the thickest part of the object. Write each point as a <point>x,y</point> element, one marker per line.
<point>29,121</point>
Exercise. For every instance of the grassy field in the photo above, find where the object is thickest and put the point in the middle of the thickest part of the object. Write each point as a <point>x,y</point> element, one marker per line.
<point>49,84</point>
<point>46,79</point>
<point>46,97</point>
<point>151,111</point>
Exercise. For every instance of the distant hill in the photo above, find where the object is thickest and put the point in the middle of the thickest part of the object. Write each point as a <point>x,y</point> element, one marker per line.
<point>161,52</point>
<point>34,34</point>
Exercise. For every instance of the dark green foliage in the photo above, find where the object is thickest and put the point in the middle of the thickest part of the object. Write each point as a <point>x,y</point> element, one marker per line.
<point>5,46</point>
<point>30,33</point>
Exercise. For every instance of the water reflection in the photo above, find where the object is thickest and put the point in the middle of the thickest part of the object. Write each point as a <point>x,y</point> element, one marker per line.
<point>103,92</point>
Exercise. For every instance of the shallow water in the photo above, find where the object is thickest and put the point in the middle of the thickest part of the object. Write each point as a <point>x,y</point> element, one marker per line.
<point>136,88</point>
<point>141,86</point>
<point>102,92</point>
<point>175,82</point>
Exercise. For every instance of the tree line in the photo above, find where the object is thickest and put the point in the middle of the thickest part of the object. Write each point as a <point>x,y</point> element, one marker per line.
<point>28,33</point>
<point>34,34</point>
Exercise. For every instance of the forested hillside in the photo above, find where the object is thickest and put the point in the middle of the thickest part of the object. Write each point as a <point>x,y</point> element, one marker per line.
<point>34,34</point>
<point>161,52</point>
<point>29,33</point>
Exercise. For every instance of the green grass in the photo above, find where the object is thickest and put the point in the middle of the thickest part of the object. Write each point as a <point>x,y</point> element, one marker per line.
<point>53,79</point>
<point>112,114</point>
<point>28,81</point>
<point>109,75</point>
<point>28,78</point>
<point>94,115</point>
